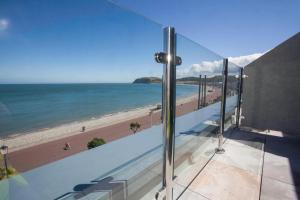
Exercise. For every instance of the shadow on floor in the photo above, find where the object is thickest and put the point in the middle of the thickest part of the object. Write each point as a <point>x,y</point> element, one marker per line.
<point>282,156</point>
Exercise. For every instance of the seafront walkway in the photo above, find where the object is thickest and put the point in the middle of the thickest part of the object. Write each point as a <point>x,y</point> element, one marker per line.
<point>110,160</point>
<point>41,154</point>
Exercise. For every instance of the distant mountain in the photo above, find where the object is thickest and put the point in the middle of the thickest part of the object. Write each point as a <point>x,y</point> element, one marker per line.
<point>147,80</point>
<point>186,80</point>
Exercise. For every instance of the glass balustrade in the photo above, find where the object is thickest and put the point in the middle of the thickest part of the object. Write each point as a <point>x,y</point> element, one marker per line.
<point>232,95</point>
<point>72,72</point>
<point>197,119</point>
<point>81,103</point>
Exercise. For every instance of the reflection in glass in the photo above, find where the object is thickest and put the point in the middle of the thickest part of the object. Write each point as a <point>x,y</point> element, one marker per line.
<point>66,77</point>
<point>232,94</point>
<point>196,128</point>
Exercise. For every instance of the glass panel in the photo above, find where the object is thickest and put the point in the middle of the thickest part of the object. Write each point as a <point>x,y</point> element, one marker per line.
<point>66,74</point>
<point>196,128</point>
<point>232,94</point>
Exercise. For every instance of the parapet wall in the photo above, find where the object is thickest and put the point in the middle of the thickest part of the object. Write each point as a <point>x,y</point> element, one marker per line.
<point>271,98</point>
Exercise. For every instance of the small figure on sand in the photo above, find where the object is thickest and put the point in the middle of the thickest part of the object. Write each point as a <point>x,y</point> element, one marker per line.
<point>67,146</point>
<point>83,129</point>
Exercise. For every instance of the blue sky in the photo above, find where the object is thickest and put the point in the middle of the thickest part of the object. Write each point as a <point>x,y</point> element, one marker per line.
<point>231,27</point>
<point>70,41</point>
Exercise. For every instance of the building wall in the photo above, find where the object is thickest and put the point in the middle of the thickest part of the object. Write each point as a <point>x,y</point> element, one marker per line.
<point>271,98</point>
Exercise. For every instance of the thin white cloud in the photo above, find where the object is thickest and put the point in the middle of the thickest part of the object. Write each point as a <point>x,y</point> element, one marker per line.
<point>244,60</point>
<point>204,67</point>
<point>4,23</point>
<point>215,67</point>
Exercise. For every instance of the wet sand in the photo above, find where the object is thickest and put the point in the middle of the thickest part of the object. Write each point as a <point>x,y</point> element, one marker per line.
<point>47,152</point>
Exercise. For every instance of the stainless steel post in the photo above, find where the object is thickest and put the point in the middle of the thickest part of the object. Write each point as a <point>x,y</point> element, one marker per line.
<point>170,60</point>
<point>169,110</point>
<point>238,113</point>
<point>199,92</point>
<point>223,107</point>
<point>204,99</point>
<point>202,93</point>
<point>162,98</point>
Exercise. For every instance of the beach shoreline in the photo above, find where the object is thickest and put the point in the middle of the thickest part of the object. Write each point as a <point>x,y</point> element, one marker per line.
<point>33,150</point>
<point>20,141</point>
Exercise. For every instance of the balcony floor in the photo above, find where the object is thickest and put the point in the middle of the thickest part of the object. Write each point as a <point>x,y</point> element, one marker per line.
<point>255,165</point>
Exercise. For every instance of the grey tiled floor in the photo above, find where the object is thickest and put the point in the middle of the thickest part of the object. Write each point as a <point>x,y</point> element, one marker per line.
<point>281,171</point>
<point>256,165</point>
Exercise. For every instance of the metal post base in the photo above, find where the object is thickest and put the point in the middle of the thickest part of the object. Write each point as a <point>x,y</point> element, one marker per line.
<point>220,151</point>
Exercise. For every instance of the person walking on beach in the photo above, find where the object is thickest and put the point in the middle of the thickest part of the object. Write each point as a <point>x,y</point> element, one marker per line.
<point>67,146</point>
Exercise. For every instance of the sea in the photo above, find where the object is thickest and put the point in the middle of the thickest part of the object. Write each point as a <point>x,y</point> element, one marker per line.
<point>27,108</point>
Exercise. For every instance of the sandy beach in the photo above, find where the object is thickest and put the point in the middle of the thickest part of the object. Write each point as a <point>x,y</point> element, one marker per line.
<point>21,141</point>
<point>31,150</point>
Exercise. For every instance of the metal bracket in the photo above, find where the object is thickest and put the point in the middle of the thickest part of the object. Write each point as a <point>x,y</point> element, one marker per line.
<point>220,151</point>
<point>161,194</point>
<point>162,57</point>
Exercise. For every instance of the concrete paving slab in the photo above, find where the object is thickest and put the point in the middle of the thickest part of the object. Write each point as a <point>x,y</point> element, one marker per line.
<point>242,156</point>
<point>286,146</point>
<point>236,174</point>
<point>248,138</point>
<point>278,168</point>
<point>221,182</point>
<point>190,195</point>
<point>282,160</point>
<point>187,171</point>
<point>273,189</point>
<point>187,194</point>
<point>181,192</point>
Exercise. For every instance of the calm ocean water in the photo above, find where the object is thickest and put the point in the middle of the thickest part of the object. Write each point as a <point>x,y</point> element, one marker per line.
<point>30,107</point>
